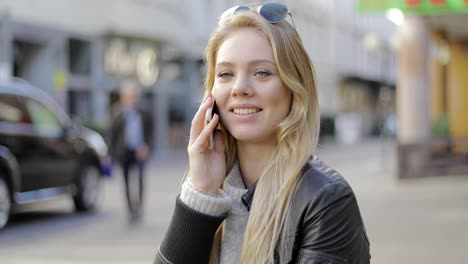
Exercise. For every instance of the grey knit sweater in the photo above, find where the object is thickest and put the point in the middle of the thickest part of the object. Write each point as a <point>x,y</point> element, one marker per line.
<point>229,200</point>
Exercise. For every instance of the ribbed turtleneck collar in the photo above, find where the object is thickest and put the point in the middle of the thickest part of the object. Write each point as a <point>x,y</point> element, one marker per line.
<point>235,188</point>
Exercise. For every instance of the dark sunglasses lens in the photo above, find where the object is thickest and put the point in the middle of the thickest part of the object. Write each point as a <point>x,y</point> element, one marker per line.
<point>273,12</point>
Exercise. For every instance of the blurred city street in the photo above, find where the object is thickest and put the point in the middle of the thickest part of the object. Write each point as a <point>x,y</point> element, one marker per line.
<point>408,221</point>
<point>388,75</point>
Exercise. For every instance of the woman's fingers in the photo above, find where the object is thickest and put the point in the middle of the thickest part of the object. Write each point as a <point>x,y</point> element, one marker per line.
<point>198,121</point>
<point>219,144</point>
<point>204,136</point>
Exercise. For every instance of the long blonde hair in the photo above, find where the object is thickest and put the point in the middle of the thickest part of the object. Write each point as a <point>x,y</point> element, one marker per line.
<point>297,136</point>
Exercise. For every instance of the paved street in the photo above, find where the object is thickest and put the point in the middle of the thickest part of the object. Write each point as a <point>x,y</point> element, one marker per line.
<point>412,221</point>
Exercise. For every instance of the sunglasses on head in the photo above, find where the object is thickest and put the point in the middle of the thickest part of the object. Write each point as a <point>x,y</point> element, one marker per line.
<point>271,12</point>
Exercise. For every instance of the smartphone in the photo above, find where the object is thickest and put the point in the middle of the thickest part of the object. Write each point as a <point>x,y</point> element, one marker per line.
<point>209,116</point>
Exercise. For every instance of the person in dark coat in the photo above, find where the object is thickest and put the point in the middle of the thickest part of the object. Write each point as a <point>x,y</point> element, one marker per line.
<point>131,140</point>
<point>260,194</point>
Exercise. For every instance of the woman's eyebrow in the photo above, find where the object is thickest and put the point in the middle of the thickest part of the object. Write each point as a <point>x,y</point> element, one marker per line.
<point>250,63</point>
<point>255,62</point>
<point>224,63</point>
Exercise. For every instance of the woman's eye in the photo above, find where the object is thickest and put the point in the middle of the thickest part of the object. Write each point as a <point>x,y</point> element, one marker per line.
<point>224,74</point>
<point>262,73</point>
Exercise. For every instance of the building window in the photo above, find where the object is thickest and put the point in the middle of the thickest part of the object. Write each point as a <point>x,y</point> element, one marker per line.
<point>79,56</point>
<point>79,105</point>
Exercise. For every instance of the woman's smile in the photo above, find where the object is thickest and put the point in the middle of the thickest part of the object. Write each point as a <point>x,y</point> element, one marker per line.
<point>245,112</point>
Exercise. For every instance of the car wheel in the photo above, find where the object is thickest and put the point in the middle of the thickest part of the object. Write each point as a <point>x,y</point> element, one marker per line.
<point>5,203</point>
<point>88,189</point>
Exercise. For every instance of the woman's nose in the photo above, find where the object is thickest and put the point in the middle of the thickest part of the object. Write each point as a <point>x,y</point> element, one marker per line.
<point>242,86</point>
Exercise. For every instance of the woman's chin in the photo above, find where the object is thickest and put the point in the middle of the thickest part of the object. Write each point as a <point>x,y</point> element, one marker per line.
<point>247,137</point>
<point>250,138</point>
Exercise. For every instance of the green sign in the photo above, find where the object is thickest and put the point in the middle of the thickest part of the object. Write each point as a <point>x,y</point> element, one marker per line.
<point>373,5</point>
<point>423,7</point>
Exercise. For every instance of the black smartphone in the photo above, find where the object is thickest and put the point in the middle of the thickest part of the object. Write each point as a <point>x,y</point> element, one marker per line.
<point>209,116</point>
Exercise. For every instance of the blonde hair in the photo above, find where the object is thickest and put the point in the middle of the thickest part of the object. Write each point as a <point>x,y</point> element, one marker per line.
<point>297,137</point>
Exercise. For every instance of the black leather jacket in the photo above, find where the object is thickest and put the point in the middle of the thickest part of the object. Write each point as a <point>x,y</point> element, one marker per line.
<point>326,225</point>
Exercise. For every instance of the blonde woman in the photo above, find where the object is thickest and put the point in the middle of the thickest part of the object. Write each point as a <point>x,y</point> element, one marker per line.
<point>259,195</point>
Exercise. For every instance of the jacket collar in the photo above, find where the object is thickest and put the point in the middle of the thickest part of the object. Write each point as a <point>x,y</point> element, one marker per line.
<point>248,196</point>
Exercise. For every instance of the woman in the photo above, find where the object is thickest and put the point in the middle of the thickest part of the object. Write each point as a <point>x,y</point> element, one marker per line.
<point>259,195</point>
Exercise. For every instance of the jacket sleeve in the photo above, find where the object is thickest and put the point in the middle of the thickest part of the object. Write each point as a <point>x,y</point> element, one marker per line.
<point>333,229</point>
<point>189,238</point>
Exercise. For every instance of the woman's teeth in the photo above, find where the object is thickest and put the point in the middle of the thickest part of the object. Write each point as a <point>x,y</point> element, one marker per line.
<point>245,111</point>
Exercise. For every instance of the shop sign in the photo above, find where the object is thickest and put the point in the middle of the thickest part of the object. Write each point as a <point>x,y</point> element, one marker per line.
<point>423,7</point>
<point>132,59</point>
<point>373,5</point>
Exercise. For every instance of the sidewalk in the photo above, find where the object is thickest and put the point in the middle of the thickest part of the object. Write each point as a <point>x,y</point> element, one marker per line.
<point>408,221</point>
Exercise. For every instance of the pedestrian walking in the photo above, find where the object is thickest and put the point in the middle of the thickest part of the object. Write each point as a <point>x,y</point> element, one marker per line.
<point>131,139</point>
<point>260,194</point>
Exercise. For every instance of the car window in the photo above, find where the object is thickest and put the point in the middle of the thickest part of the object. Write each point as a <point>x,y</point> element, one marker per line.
<point>44,121</point>
<point>11,110</point>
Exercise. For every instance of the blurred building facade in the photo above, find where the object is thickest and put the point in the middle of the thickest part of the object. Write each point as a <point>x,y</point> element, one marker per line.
<point>432,95</point>
<point>448,79</point>
<point>79,51</point>
<point>350,72</point>
<point>440,94</point>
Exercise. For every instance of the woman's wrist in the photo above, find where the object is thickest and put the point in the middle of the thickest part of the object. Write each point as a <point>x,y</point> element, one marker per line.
<point>207,189</point>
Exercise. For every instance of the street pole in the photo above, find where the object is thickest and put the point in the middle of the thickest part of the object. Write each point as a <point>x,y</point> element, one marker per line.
<point>383,100</point>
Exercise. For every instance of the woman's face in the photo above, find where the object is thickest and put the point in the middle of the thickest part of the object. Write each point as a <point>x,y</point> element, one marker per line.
<point>251,97</point>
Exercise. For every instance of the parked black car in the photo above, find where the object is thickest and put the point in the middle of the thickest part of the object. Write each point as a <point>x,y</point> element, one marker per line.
<point>43,154</point>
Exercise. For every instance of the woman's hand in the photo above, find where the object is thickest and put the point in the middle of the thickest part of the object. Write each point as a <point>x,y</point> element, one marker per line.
<point>207,165</point>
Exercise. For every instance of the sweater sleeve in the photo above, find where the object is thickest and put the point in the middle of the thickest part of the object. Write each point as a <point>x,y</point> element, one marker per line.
<point>211,204</point>
<point>189,238</point>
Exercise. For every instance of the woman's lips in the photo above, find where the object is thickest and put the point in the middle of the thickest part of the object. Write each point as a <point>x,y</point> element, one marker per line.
<point>245,114</point>
<point>245,111</point>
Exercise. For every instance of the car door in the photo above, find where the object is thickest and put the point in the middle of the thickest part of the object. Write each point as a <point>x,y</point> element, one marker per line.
<point>58,150</point>
<point>17,135</point>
